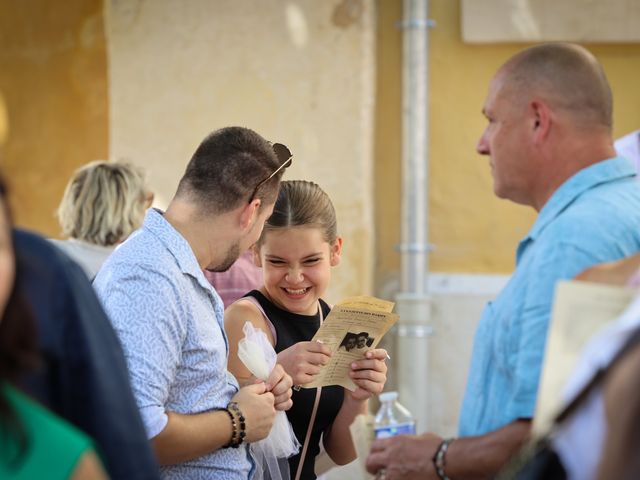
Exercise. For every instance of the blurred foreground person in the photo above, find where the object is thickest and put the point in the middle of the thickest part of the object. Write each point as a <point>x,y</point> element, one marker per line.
<point>83,370</point>
<point>595,433</point>
<point>103,203</point>
<point>34,443</point>
<point>598,437</point>
<point>619,457</point>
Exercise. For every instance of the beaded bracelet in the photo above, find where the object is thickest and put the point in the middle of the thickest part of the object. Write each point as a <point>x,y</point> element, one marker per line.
<point>439,460</point>
<point>234,429</point>
<point>242,433</point>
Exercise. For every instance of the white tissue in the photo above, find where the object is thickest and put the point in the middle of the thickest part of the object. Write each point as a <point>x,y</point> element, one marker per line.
<point>258,355</point>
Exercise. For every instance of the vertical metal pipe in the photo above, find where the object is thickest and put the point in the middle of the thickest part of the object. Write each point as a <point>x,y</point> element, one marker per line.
<point>415,139</point>
<point>413,303</point>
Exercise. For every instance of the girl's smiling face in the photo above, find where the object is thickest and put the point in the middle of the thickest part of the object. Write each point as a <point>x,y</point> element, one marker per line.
<point>296,264</point>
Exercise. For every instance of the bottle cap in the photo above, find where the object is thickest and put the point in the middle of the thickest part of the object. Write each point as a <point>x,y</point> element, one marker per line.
<point>388,396</point>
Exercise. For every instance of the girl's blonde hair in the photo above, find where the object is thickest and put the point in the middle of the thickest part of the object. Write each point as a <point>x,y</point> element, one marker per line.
<point>103,203</point>
<point>301,203</point>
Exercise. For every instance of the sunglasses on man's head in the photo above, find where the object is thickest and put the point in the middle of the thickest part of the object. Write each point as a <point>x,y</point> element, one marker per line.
<point>285,157</point>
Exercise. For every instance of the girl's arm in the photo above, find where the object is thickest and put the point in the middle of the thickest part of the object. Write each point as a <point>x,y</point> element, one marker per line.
<point>337,438</point>
<point>369,375</point>
<point>302,361</point>
<point>279,382</point>
<point>234,319</point>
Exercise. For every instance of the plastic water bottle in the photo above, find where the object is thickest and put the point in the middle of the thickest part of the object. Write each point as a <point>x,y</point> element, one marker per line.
<point>393,419</point>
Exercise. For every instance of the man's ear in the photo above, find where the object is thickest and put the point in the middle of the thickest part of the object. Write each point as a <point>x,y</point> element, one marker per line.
<point>249,213</point>
<point>541,120</point>
<point>336,251</point>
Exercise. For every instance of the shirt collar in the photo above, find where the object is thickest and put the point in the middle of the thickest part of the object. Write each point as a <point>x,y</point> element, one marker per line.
<point>176,244</point>
<point>602,172</point>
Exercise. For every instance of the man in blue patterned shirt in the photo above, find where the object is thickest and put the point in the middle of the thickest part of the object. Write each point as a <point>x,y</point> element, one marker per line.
<point>548,138</point>
<point>170,320</point>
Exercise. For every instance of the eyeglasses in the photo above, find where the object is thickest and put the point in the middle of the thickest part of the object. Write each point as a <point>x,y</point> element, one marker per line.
<point>286,158</point>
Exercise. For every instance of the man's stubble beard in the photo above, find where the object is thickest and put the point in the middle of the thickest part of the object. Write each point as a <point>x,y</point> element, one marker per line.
<point>232,255</point>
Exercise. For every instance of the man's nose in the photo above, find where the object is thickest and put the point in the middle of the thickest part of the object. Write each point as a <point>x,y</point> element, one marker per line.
<point>483,146</point>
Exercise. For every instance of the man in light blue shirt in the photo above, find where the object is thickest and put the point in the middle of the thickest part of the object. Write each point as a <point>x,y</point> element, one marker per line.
<point>564,240</point>
<point>549,144</point>
<point>170,320</point>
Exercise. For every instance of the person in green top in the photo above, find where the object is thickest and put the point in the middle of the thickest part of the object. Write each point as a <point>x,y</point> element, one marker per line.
<point>34,443</point>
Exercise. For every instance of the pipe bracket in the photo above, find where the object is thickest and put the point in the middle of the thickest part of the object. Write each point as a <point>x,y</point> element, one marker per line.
<point>415,247</point>
<point>414,331</point>
<point>415,23</point>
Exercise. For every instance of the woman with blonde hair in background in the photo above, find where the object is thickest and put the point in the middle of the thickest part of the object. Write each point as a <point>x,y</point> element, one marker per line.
<point>103,203</point>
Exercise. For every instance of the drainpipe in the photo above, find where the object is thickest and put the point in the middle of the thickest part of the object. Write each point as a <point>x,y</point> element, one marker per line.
<point>413,302</point>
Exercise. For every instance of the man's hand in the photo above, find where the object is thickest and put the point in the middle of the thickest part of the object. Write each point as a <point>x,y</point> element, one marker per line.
<point>405,457</point>
<point>408,456</point>
<point>256,404</point>
<point>303,360</point>
<point>279,383</point>
<point>369,374</point>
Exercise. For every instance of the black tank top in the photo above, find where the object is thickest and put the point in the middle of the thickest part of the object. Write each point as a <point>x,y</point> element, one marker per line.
<point>292,328</point>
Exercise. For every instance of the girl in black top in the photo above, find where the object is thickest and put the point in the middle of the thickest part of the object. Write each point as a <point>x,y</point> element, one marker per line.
<point>297,249</point>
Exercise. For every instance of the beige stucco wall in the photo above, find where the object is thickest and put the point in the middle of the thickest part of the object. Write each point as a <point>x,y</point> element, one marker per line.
<point>302,72</point>
<point>298,72</point>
